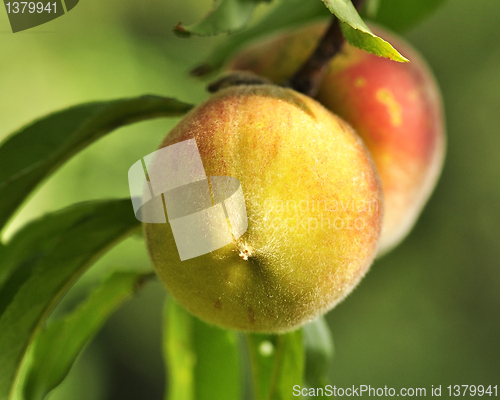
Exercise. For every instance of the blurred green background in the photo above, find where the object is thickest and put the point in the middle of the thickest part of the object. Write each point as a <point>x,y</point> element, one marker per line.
<point>427,314</point>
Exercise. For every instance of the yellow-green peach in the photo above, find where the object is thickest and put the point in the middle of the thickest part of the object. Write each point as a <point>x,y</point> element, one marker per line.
<point>314,207</point>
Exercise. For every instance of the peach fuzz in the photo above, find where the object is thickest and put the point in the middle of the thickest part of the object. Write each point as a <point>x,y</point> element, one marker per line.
<point>314,207</point>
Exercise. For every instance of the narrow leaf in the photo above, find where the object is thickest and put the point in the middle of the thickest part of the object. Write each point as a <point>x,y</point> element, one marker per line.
<point>179,353</point>
<point>286,14</point>
<point>319,348</point>
<point>277,364</point>
<point>400,15</point>
<point>41,262</point>
<point>202,360</point>
<point>226,16</point>
<point>358,34</point>
<point>56,347</point>
<point>35,151</point>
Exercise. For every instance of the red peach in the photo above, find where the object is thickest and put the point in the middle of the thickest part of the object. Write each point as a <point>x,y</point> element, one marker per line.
<point>395,107</point>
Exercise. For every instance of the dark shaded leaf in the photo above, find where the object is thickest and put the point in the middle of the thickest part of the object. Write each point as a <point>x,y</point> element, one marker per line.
<point>56,347</point>
<point>35,151</point>
<point>319,348</point>
<point>41,262</point>
<point>400,15</point>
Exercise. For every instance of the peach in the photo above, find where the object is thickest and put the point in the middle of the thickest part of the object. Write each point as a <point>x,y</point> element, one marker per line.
<point>395,108</point>
<point>314,207</point>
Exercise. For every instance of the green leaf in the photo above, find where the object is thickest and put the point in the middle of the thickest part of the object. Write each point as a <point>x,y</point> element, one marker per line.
<point>319,348</point>
<point>400,15</point>
<point>287,13</point>
<point>358,34</point>
<point>35,151</point>
<point>57,346</point>
<point>261,349</point>
<point>202,361</point>
<point>41,262</point>
<point>277,364</point>
<point>179,353</point>
<point>226,16</point>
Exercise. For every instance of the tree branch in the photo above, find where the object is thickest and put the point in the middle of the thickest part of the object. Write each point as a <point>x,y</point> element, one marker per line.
<point>308,78</point>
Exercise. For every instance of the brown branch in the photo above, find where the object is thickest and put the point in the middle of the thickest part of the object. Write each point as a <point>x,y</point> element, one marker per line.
<point>309,76</point>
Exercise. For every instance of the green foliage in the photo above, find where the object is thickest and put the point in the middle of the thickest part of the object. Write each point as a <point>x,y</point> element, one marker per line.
<point>57,346</point>
<point>202,360</point>
<point>366,40</point>
<point>26,159</point>
<point>226,16</point>
<point>41,262</point>
<point>286,14</point>
<point>277,364</point>
<point>394,14</point>
<point>45,257</point>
